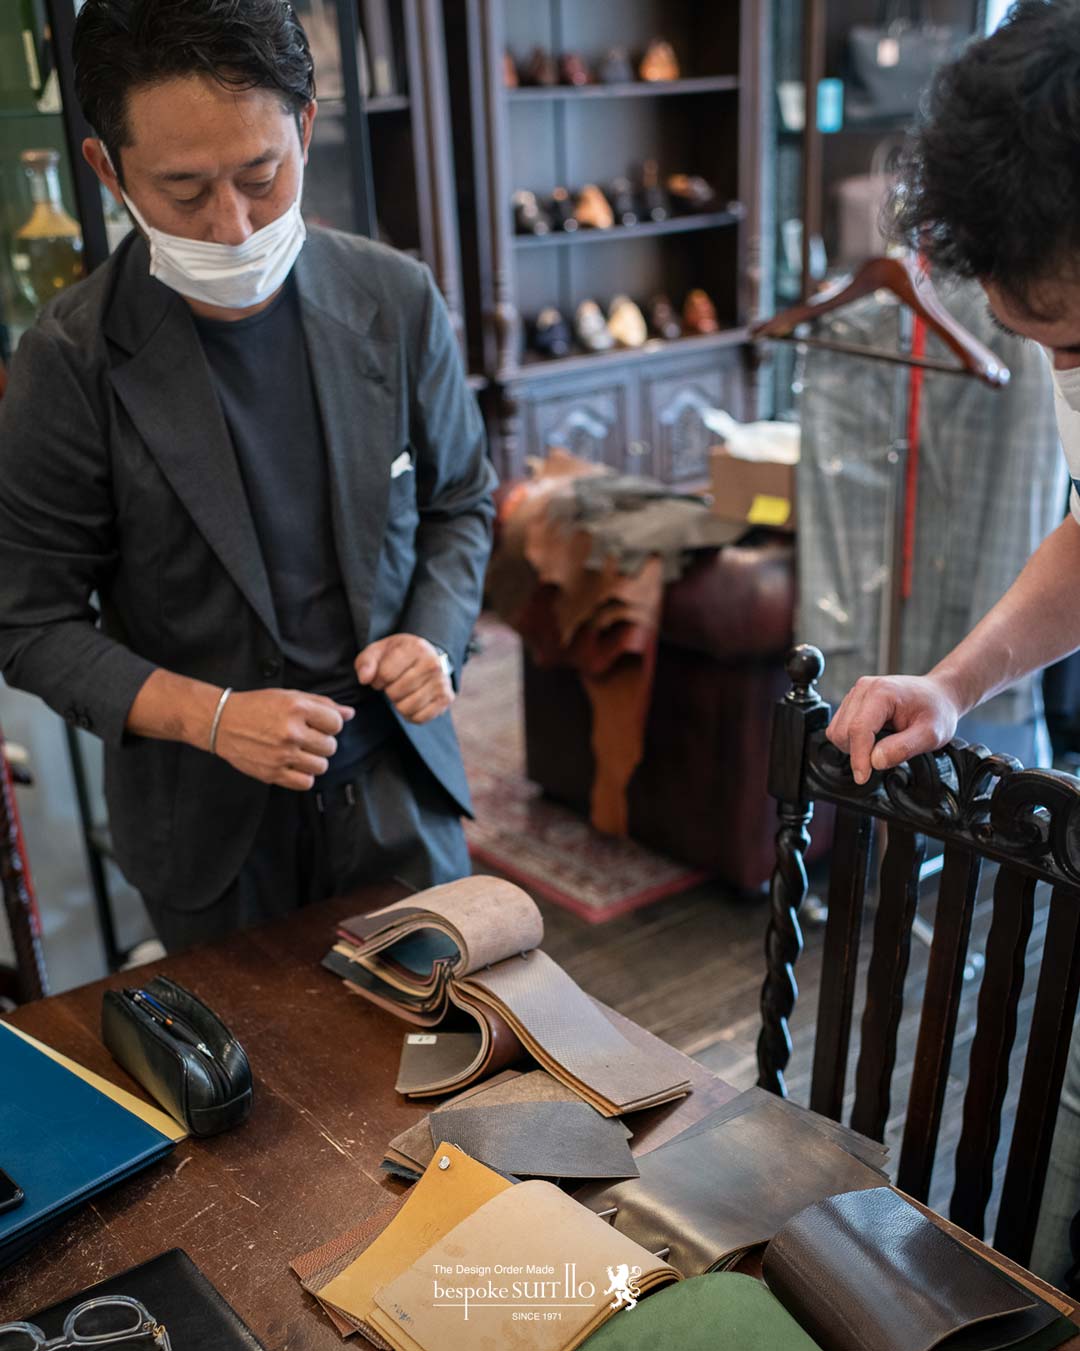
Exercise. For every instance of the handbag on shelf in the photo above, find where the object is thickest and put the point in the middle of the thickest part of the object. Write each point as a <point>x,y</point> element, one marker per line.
<point>893,61</point>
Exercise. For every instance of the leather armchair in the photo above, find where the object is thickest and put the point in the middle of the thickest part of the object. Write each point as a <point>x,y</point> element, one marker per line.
<point>699,794</point>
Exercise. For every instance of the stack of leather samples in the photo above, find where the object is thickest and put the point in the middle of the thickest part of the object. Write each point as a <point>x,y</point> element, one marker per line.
<point>467,1253</point>
<point>526,1124</point>
<point>465,958</point>
<point>732,1181</point>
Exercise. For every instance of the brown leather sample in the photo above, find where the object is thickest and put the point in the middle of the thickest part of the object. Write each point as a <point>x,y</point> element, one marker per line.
<point>710,1194</point>
<point>530,1225</point>
<point>539,1139</point>
<point>867,1269</point>
<point>469,948</point>
<point>319,1267</point>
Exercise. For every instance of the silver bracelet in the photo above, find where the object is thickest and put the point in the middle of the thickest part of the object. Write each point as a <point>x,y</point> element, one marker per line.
<point>217,719</point>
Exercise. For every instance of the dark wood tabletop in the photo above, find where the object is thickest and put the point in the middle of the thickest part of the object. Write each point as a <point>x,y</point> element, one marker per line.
<point>302,1169</point>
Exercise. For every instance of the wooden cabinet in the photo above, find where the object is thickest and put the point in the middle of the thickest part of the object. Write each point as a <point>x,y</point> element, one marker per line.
<point>639,409</point>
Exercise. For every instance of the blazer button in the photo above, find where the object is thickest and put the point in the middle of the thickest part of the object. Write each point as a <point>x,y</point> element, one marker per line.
<point>270,668</point>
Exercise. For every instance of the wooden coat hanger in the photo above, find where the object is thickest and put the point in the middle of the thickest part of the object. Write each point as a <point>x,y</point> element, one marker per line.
<point>903,278</point>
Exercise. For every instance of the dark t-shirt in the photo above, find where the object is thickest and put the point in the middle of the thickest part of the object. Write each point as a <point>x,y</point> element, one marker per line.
<point>263,378</point>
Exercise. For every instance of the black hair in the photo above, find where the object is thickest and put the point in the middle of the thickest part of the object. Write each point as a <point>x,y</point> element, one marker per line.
<point>120,45</point>
<point>991,180</point>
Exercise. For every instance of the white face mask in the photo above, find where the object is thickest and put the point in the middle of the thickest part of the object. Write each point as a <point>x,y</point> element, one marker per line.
<point>1068,386</point>
<point>232,276</point>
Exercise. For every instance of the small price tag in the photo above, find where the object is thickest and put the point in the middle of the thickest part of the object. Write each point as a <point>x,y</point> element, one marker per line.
<point>421,1039</point>
<point>888,53</point>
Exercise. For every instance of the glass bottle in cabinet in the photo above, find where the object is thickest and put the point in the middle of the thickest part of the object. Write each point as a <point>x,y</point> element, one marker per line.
<point>47,252</point>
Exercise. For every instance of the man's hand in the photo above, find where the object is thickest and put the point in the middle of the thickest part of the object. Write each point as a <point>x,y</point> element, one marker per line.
<point>409,672</point>
<point>281,736</point>
<point>921,710</point>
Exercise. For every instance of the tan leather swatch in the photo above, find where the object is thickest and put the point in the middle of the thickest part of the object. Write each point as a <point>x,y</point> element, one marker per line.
<point>439,1201</point>
<point>533,1224</point>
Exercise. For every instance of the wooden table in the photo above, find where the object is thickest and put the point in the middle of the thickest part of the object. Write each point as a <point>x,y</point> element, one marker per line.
<point>302,1169</point>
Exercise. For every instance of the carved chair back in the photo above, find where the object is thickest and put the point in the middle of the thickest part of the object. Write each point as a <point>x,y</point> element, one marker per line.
<point>983,807</point>
<point>26,980</point>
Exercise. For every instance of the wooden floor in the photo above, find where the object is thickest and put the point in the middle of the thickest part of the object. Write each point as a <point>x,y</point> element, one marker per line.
<point>690,968</point>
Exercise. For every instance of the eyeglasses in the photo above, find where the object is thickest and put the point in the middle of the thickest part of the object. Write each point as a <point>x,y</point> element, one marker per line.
<point>109,1320</point>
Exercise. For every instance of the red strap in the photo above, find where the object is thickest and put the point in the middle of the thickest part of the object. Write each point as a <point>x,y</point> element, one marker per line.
<point>911,488</point>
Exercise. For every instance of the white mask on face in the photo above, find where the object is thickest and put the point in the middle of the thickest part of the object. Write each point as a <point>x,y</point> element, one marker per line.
<point>232,276</point>
<point>1068,386</point>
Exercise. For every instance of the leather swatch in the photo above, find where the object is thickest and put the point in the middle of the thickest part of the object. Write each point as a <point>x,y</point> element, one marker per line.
<point>410,1152</point>
<point>318,1267</point>
<point>869,1269</point>
<point>440,1200</point>
<point>539,1139</point>
<point>469,947</point>
<point>720,1312</point>
<point>709,1195</point>
<point>533,1224</point>
<point>871,1152</point>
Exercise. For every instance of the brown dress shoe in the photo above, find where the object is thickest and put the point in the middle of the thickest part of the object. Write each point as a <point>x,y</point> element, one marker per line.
<point>659,62</point>
<point>593,209</point>
<point>691,192</point>
<point>663,320</point>
<point>573,70</point>
<point>699,314</point>
<point>510,71</point>
<point>540,69</point>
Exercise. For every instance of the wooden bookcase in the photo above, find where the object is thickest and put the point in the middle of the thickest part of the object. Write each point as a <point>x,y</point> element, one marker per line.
<point>638,409</point>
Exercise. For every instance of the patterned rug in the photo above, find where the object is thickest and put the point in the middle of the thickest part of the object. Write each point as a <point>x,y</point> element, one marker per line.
<point>547,848</point>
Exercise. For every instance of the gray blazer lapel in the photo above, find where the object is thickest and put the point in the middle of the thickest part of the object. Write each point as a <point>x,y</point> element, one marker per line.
<point>167,390</point>
<point>361,420</point>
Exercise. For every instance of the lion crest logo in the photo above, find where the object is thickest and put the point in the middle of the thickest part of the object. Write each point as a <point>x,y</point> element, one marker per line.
<point>623,1285</point>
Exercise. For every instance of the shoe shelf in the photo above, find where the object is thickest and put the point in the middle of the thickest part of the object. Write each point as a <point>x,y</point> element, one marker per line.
<point>534,366</point>
<point>707,124</point>
<point>704,84</point>
<point>706,220</point>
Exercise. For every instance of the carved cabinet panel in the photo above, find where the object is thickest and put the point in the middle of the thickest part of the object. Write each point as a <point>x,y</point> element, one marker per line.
<point>675,401</point>
<point>590,419</point>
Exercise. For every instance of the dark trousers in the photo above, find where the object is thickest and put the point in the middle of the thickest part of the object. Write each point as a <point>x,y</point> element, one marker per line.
<point>394,821</point>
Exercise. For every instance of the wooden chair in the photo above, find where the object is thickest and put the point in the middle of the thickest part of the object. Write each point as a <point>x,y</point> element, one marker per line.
<point>25,980</point>
<point>983,807</point>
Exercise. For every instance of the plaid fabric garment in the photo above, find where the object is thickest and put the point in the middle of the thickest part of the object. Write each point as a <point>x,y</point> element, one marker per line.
<point>992,485</point>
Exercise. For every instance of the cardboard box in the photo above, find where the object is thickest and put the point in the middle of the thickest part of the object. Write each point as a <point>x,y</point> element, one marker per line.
<point>757,492</point>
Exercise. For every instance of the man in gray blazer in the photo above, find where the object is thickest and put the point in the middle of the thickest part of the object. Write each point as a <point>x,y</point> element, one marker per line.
<point>256,448</point>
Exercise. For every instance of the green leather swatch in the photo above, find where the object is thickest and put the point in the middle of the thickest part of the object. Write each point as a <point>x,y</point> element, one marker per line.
<point>719,1312</point>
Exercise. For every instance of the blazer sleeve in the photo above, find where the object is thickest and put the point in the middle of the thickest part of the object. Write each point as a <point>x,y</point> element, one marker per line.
<point>58,543</point>
<point>454,486</point>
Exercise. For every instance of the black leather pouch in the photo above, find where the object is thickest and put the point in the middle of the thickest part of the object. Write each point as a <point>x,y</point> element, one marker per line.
<point>210,1089</point>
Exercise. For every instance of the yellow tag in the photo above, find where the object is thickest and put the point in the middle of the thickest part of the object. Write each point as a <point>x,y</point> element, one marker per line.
<point>766,510</point>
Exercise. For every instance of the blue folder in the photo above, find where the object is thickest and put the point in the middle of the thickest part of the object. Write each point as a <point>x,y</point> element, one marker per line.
<point>61,1140</point>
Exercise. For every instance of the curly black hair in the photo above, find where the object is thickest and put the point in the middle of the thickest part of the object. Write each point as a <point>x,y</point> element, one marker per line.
<point>244,44</point>
<point>991,181</point>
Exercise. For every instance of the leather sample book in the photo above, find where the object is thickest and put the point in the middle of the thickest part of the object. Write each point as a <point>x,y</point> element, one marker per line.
<point>468,1254</point>
<point>729,1183</point>
<point>63,1139</point>
<point>706,1313</point>
<point>471,949</point>
<point>867,1269</point>
<point>177,1295</point>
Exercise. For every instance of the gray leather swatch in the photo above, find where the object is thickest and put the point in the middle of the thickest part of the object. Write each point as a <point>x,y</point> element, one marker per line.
<point>539,1139</point>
